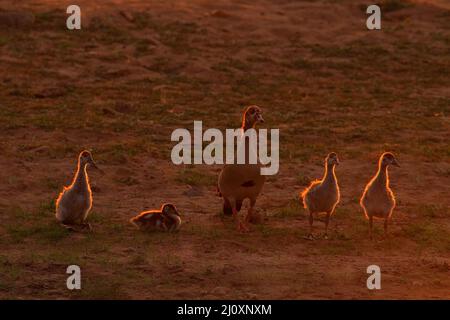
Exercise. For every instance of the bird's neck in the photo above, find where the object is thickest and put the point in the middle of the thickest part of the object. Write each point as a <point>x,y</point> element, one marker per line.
<point>247,125</point>
<point>81,180</point>
<point>382,176</point>
<point>329,175</point>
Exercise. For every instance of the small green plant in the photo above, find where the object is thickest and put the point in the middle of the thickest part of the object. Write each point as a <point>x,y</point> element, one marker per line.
<point>429,235</point>
<point>303,180</point>
<point>195,178</point>
<point>292,209</point>
<point>394,5</point>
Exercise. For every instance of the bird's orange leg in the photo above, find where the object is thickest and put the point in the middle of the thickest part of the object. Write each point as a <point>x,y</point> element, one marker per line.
<point>248,217</point>
<point>327,221</point>
<point>240,226</point>
<point>311,221</point>
<point>250,212</point>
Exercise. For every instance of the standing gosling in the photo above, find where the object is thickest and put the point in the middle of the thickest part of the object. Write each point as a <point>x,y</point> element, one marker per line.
<point>165,219</point>
<point>378,200</point>
<point>238,182</point>
<point>322,195</point>
<point>75,201</point>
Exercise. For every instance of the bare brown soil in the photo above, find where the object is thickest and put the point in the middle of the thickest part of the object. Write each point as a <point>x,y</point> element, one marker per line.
<point>139,69</point>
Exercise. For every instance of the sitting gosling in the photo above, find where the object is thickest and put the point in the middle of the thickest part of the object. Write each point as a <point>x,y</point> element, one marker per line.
<point>165,219</point>
<point>378,200</point>
<point>322,195</point>
<point>75,201</point>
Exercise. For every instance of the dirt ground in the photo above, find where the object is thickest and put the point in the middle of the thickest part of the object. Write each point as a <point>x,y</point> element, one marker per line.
<point>140,69</point>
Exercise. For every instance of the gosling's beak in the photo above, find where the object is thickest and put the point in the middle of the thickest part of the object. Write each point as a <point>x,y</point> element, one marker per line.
<point>395,163</point>
<point>259,118</point>
<point>336,161</point>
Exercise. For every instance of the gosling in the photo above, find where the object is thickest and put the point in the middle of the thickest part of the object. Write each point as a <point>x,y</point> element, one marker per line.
<point>165,219</point>
<point>238,182</point>
<point>75,202</point>
<point>378,200</point>
<point>322,196</point>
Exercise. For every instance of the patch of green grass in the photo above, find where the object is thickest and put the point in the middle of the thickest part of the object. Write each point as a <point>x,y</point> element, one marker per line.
<point>10,272</point>
<point>193,177</point>
<point>18,213</point>
<point>293,208</point>
<point>230,64</point>
<point>301,151</point>
<point>45,122</point>
<point>443,172</point>
<point>46,208</point>
<point>268,231</point>
<point>141,48</point>
<point>359,51</point>
<point>51,183</point>
<point>60,256</point>
<point>302,64</point>
<point>339,247</point>
<point>10,118</point>
<point>49,18</point>
<point>177,35</point>
<point>101,287</point>
<point>118,228</point>
<point>302,179</point>
<point>429,235</point>
<point>3,40</point>
<point>49,232</point>
<point>393,5</point>
<point>118,153</point>
<point>248,84</point>
<point>170,260</point>
<point>108,32</point>
<point>128,181</point>
<point>37,224</point>
<point>433,210</point>
<point>208,232</point>
<point>137,259</point>
<point>97,217</point>
<point>142,20</point>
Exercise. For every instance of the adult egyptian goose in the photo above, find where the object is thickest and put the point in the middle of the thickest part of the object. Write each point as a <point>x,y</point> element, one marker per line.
<point>75,201</point>
<point>322,196</point>
<point>165,219</point>
<point>238,182</point>
<point>378,200</point>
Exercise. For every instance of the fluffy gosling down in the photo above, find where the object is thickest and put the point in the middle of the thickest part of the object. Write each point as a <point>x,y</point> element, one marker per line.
<point>378,200</point>
<point>75,202</point>
<point>322,196</point>
<point>165,219</point>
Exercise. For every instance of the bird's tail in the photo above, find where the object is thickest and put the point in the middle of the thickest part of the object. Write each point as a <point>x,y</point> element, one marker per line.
<point>133,222</point>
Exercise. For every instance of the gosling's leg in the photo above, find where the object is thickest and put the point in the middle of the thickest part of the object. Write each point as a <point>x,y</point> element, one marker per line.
<point>242,227</point>
<point>87,225</point>
<point>327,221</point>
<point>239,225</point>
<point>250,212</point>
<point>311,221</point>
